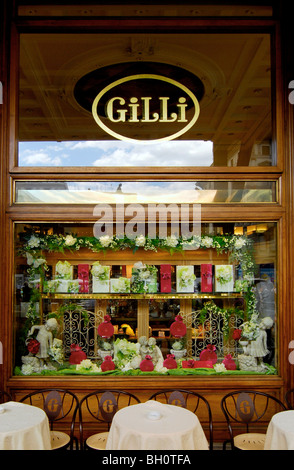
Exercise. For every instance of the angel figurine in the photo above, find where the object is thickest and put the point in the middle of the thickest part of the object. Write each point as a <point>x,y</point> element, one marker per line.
<point>44,336</point>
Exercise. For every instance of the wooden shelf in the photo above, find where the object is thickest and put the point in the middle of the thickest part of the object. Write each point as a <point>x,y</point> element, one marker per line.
<point>110,296</point>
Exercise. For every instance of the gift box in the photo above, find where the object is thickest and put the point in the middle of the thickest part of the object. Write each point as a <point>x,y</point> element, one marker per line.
<point>83,277</point>
<point>73,287</point>
<point>144,278</point>
<point>65,286</point>
<point>185,278</point>
<point>62,286</point>
<point>100,278</point>
<point>165,278</point>
<point>206,278</point>
<point>120,285</point>
<point>224,278</point>
<point>50,285</point>
<point>63,270</point>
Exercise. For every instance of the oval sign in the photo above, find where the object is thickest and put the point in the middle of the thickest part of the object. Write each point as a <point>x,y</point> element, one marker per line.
<point>53,405</point>
<point>138,111</point>
<point>245,407</point>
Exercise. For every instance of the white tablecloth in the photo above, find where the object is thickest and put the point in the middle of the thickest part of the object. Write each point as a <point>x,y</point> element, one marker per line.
<point>23,427</point>
<point>280,432</point>
<point>136,427</point>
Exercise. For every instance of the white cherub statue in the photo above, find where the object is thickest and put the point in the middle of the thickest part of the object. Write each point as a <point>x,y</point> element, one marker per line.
<point>44,336</point>
<point>258,347</point>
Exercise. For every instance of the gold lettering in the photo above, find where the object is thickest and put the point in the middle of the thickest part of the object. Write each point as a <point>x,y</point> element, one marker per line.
<point>164,113</point>
<point>134,110</point>
<point>121,112</point>
<point>146,111</point>
<point>182,110</point>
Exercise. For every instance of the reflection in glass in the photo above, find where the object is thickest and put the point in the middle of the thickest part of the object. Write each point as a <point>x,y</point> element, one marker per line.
<point>234,127</point>
<point>144,192</point>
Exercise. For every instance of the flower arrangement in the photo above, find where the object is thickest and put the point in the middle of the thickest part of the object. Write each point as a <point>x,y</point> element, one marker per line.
<point>56,351</point>
<point>144,278</point>
<point>125,352</point>
<point>88,366</point>
<point>63,270</point>
<point>250,329</point>
<point>224,274</point>
<point>185,278</point>
<point>120,285</point>
<point>100,272</point>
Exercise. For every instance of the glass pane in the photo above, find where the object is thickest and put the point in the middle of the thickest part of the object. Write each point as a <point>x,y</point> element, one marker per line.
<point>144,192</point>
<point>213,308</point>
<point>194,100</point>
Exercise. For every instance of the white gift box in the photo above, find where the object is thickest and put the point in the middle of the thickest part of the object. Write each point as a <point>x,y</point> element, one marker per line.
<point>73,286</point>
<point>61,286</point>
<point>224,278</point>
<point>120,285</point>
<point>100,286</point>
<point>185,278</point>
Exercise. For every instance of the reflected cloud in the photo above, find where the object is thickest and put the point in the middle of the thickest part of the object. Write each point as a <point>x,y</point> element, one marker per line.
<point>116,153</point>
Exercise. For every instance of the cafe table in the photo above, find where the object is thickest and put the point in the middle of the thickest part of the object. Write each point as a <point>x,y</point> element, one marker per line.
<point>23,427</point>
<point>280,432</point>
<point>155,426</point>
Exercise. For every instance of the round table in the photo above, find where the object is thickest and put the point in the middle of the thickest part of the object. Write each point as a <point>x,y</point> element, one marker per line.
<point>156,426</point>
<point>280,432</point>
<point>23,427</point>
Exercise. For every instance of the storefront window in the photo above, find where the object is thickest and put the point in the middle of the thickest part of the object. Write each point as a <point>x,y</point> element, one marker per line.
<point>229,75</point>
<point>144,192</point>
<point>81,301</point>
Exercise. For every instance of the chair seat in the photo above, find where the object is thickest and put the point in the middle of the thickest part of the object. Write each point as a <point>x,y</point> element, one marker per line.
<point>250,441</point>
<point>59,439</point>
<point>97,441</point>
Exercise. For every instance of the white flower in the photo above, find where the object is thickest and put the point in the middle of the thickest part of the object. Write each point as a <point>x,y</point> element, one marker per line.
<point>239,243</point>
<point>105,241</point>
<point>207,242</point>
<point>38,261</point>
<point>219,367</point>
<point>27,369</point>
<point>101,272</point>
<point>140,240</point>
<point>30,259</point>
<point>63,268</point>
<point>69,240</point>
<point>177,345</point>
<point>34,242</point>
<point>171,241</point>
<point>88,365</point>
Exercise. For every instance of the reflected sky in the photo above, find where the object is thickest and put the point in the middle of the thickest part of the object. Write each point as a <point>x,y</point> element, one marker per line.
<point>116,153</point>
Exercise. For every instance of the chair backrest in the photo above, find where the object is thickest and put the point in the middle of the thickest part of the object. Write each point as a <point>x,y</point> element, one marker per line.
<point>58,404</point>
<point>5,396</point>
<point>289,399</point>
<point>193,401</point>
<point>102,405</point>
<point>249,406</point>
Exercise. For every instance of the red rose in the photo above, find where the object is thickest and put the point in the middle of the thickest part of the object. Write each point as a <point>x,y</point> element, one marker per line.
<point>33,346</point>
<point>237,333</point>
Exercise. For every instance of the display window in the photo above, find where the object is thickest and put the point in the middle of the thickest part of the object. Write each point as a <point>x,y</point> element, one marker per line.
<point>200,305</point>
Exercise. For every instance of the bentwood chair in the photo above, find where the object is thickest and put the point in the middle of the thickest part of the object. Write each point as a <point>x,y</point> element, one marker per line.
<point>59,405</point>
<point>243,409</point>
<point>289,399</point>
<point>5,396</point>
<point>100,407</point>
<point>193,401</point>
